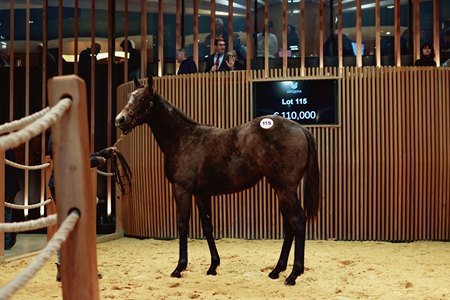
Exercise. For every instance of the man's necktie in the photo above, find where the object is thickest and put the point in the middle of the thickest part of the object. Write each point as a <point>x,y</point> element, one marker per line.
<point>217,62</point>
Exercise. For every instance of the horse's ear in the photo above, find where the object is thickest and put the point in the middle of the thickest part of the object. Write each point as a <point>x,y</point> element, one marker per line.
<point>137,83</point>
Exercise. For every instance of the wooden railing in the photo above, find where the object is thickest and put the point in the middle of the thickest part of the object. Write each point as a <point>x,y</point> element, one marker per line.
<point>385,168</point>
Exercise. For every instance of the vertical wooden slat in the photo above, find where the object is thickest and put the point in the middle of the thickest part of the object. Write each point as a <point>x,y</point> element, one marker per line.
<point>249,39</point>
<point>92,77</point>
<point>60,37</point>
<point>178,31</point>
<point>230,25</point>
<point>416,24</point>
<point>75,37</point>
<point>358,33</point>
<point>266,38</point>
<point>397,45</point>
<point>143,38</point>
<point>436,33</point>
<point>195,17</point>
<point>302,37</point>
<point>340,57</point>
<point>109,122</point>
<point>160,38</point>
<point>27,102</point>
<point>377,33</point>
<point>321,28</point>
<point>11,60</point>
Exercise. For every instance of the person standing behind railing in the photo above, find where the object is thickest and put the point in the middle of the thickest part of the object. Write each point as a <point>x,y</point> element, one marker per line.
<point>216,61</point>
<point>426,56</point>
<point>187,64</point>
<point>134,61</point>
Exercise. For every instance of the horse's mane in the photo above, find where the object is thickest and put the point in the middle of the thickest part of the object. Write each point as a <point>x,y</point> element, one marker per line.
<point>171,107</point>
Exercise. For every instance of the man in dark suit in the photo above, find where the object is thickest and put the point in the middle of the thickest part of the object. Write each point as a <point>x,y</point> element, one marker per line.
<point>216,62</point>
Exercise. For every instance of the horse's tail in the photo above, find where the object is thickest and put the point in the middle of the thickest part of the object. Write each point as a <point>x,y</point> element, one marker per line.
<point>311,183</point>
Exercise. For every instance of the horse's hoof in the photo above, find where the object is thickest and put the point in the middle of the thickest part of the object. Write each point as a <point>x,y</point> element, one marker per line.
<point>176,274</point>
<point>214,272</point>
<point>274,274</point>
<point>289,281</point>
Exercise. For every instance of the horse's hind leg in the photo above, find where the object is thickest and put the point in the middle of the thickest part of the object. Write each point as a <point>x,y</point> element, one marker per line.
<point>284,256</point>
<point>183,201</point>
<point>294,215</point>
<point>204,208</point>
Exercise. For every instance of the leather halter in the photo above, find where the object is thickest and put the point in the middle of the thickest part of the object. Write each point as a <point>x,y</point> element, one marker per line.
<point>134,116</point>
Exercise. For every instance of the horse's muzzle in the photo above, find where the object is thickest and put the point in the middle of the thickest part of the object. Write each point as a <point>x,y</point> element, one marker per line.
<point>122,124</point>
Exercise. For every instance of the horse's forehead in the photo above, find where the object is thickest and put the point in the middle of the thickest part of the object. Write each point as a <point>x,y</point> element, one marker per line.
<point>136,95</point>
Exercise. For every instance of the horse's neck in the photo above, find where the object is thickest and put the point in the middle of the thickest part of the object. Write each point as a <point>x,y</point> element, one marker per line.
<point>168,125</point>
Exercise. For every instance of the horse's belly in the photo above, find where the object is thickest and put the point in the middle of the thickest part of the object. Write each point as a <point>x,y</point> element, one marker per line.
<point>217,185</point>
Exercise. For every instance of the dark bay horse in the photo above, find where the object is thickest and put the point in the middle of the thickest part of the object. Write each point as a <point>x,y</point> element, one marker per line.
<point>202,161</point>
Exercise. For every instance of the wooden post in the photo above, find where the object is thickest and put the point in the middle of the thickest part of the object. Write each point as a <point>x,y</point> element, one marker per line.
<point>73,187</point>
<point>2,202</point>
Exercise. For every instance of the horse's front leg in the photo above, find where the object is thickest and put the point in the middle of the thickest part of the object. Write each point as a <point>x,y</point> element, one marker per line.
<point>183,201</point>
<point>204,209</point>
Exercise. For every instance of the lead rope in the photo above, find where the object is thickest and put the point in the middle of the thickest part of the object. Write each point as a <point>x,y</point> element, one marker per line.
<point>122,136</point>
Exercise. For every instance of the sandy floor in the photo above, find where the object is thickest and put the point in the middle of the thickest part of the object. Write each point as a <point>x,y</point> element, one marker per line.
<point>140,269</point>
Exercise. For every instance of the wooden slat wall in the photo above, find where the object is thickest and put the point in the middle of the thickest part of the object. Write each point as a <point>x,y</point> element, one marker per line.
<point>385,169</point>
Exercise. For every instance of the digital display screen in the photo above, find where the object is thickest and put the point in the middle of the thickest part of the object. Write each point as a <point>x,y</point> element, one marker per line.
<point>309,102</point>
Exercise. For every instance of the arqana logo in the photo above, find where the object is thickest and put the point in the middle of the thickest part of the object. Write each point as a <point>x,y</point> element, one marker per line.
<point>294,85</point>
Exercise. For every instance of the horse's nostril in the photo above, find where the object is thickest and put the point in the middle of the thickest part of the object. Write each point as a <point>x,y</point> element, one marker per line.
<point>120,120</point>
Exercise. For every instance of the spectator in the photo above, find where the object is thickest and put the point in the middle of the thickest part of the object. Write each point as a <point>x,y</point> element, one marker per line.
<point>215,62</point>
<point>233,64</point>
<point>134,61</point>
<point>273,43</point>
<point>292,39</point>
<point>187,64</point>
<point>11,189</point>
<point>330,48</point>
<point>85,55</point>
<point>4,58</point>
<point>426,56</point>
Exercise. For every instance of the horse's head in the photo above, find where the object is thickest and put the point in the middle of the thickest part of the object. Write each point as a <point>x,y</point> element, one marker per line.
<point>138,107</point>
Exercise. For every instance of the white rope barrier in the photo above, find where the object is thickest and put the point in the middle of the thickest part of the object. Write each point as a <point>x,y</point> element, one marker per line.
<point>104,173</point>
<point>18,206</point>
<point>29,225</point>
<point>24,167</point>
<point>17,138</point>
<point>52,246</point>
<point>18,124</point>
